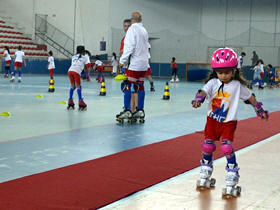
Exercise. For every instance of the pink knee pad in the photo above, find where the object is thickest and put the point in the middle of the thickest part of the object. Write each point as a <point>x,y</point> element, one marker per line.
<point>226,149</point>
<point>208,146</point>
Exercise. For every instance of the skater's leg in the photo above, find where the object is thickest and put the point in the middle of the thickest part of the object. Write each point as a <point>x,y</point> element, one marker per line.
<point>208,147</point>
<point>127,95</point>
<point>141,96</point>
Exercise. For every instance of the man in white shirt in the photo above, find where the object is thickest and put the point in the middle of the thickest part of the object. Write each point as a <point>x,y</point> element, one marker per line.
<point>136,46</point>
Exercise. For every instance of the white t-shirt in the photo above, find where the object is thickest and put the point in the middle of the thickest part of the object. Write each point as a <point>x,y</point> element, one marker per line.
<point>19,56</point>
<point>240,62</point>
<point>78,64</point>
<point>136,45</point>
<point>114,61</point>
<point>223,106</point>
<point>98,63</point>
<point>51,63</point>
<point>88,59</point>
<point>8,57</point>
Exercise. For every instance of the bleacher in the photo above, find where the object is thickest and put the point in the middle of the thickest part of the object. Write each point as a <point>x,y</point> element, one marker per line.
<point>12,38</point>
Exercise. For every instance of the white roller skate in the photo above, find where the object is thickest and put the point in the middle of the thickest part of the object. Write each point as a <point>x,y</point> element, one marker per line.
<point>12,79</point>
<point>177,79</point>
<point>140,115</point>
<point>71,104</point>
<point>82,105</point>
<point>232,178</point>
<point>172,79</point>
<point>205,174</point>
<point>19,79</point>
<point>126,114</point>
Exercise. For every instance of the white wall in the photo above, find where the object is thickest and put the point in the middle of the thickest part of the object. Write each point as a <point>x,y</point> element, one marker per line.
<point>186,29</point>
<point>91,18</point>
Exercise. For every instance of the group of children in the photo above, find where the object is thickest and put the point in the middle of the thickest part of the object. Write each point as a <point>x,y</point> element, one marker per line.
<point>19,60</point>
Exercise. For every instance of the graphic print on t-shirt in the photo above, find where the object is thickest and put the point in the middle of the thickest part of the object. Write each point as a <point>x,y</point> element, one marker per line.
<point>220,106</point>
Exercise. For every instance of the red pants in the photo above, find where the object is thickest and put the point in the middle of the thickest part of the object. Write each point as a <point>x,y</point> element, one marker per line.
<point>149,72</point>
<point>75,78</point>
<point>51,72</point>
<point>19,64</point>
<point>215,130</point>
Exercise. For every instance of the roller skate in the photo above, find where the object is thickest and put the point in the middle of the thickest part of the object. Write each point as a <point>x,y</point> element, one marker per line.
<point>125,114</point>
<point>71,104</point>
<point>232,178</point>
<point>6,76</point>
<point>172,80</point>
<point>205,173</point>
<point>250,87</point>
<point>177,79</point>
<point>19,79</point>
<point>140,115</point>
<point>82,105</point>
<point>12,79</point>
<point>152,89</point>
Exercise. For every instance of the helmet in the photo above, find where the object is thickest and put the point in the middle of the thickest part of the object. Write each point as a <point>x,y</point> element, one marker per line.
<point>224,58</point>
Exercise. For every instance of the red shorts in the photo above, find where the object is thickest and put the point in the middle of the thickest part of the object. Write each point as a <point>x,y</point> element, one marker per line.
<point>99,68</point>
<point>8,62</point>
<point>215,130</point>
<point>19,64</point>
<point>51,72</point>
<point>74,78</point>
<point>261,74</point>
<point>149,72</point>
<point>135,76</point>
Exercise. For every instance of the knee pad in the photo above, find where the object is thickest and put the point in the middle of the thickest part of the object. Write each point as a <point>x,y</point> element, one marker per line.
<point>208,146</point>
<point>141,86</point>
<point>226,147</point>
<point>125,85</point>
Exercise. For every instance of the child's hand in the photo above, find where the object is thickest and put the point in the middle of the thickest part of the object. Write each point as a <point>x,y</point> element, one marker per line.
<point>264,115</point>
<point>196,104</point>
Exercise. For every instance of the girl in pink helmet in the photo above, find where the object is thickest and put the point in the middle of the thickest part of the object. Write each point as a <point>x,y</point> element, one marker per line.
<point>223,89</point>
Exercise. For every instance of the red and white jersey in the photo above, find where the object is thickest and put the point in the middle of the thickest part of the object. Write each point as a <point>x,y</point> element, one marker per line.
<point>78,63</point>
<point>7,55</point>
<point>98,63</point>
<point>51,63</point>
<point>19,56</point>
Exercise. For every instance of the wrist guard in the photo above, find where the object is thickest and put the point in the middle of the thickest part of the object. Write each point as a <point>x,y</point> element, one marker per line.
<point>199,97</point>
<point>260,111</point>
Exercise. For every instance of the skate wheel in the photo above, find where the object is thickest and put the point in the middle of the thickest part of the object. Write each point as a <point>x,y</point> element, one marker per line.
<point>198,183</point>
<point>213,182</point>
<point>141,120</point>
<point>208,184</point>
<point>224,191</point>
<point>238,188</point>
<point>235,192</point>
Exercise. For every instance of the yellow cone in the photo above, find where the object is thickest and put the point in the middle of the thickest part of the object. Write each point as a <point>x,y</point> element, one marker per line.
<point>63,102</point>
<point>102,89</point>
<point>166,94</point>
<point>5,114</point>
<point>51,85</point>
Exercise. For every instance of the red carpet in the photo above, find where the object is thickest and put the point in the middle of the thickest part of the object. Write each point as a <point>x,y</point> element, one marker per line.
<point>98,182</point>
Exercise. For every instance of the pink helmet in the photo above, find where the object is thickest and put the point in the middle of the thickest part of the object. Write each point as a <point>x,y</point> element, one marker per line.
<point>224,58</point>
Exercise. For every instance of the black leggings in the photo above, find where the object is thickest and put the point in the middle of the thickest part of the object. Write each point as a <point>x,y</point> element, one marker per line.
<point>174,72</point>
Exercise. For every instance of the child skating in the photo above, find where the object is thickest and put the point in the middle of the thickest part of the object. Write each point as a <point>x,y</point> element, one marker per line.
<point>8,60</point>
<point>223,89</point>
<point>19,59</point>
<point>79,62</point>
<point>51,65</point>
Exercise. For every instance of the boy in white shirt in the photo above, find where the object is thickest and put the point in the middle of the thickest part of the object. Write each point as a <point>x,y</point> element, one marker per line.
<point>51,65</point>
